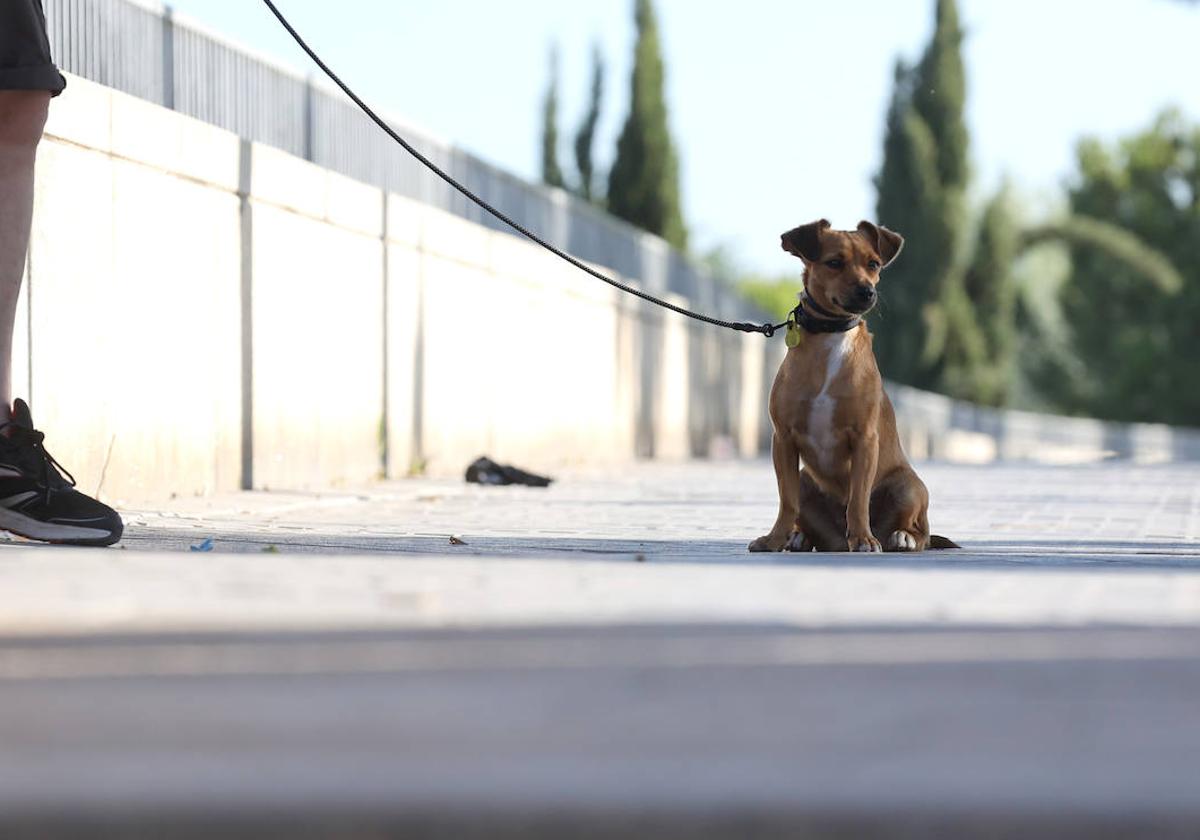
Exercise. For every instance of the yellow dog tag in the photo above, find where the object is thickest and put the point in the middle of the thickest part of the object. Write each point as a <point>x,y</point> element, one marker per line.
<point>794,335</point>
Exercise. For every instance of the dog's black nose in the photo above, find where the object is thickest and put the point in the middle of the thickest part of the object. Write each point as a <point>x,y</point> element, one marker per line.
<point>865,293</point>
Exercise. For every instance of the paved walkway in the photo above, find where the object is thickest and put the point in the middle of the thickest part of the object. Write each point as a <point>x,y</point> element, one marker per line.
<point>604,659</point>
<point>650,543</point>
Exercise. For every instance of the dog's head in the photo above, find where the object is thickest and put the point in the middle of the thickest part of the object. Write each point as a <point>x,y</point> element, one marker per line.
<point>841,267</point>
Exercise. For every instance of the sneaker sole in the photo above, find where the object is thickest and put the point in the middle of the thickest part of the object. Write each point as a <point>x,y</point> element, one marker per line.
<point>54,532</point>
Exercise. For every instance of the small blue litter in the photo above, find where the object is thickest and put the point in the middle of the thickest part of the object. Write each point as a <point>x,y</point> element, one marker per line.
<point>207,545</point>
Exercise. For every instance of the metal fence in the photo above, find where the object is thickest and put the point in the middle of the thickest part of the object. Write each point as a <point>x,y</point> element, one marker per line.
<point>141,48</point>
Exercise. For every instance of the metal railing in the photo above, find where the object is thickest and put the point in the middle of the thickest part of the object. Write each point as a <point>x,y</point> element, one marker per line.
<point>141,48</point>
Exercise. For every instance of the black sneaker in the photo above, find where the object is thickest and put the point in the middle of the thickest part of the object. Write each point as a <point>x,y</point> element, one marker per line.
<point>36,501</point>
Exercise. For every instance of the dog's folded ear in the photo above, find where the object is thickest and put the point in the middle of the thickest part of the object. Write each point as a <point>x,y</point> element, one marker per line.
<point>887,242</point>
<point>805,241</point>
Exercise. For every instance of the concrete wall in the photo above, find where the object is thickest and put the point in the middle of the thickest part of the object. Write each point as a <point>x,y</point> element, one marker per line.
<point>203,314</point>
<point>132,322</point>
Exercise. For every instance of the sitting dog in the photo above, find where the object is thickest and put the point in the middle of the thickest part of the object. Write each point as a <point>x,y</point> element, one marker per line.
<point>856,491</point>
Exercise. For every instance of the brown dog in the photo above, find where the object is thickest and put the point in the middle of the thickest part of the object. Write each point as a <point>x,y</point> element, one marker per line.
<point>856,491</point>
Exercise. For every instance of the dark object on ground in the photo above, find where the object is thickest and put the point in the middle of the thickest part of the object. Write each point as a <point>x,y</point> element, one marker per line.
<point>487,471</point>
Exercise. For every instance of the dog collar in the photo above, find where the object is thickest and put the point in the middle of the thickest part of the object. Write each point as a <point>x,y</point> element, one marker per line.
<point>820,320</point>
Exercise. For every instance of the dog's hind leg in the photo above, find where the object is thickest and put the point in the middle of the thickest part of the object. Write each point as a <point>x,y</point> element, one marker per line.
<point>786,457</point>
<point>899,508</point>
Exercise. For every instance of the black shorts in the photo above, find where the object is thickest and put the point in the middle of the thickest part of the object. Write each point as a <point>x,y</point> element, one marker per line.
<point>25,62</point>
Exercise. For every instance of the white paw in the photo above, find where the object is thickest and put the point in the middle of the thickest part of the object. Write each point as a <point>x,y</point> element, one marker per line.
<point>901,541</point>
<point>865,544</point>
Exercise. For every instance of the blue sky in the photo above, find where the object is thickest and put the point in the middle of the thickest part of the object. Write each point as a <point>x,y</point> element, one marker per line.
<point>777,105</point>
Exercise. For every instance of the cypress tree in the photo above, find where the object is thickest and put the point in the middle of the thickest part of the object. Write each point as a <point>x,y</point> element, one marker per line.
<point>907,178</point>
<point>940,95</point>
<point>922,193</point>
<point>552,174</point>
<point>643,186</point>
<point>586,136</point>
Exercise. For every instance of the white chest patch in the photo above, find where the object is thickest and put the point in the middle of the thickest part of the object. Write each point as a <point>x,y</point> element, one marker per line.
<point>820,417</point>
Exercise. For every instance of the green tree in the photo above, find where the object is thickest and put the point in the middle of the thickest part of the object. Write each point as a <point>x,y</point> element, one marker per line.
<point>552,174</point>
<point>949,317</point>
<point>1136,340</point>
<point>940,94</point>
<point>586,136</point>
<point>980,361</point>
<point>643,186</point>
<point>922,193</point>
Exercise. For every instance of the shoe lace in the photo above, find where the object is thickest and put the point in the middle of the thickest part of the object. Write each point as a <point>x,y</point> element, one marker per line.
<point>24,436</point>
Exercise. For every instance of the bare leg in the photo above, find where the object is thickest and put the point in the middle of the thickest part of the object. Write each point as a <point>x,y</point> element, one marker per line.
<point>39,502</point>
<point>22,118</point>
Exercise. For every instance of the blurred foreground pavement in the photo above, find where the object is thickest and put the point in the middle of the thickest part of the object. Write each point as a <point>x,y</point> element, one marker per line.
<point>603,658</point>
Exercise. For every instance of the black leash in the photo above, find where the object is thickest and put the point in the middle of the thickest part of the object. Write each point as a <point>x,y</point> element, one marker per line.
<point>766,329</point>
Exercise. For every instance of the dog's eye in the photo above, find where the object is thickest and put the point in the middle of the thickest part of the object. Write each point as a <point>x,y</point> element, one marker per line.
<point>835,264</point>
<point>873,265</point>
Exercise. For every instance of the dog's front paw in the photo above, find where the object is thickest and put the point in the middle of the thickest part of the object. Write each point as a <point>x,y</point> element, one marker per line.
<point>765,543</point>
<point>863,542</point>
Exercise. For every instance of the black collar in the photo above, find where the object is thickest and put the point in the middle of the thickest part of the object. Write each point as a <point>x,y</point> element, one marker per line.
<point>815,319</point>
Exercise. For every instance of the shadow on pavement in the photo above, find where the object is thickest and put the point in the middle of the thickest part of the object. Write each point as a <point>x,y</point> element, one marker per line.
<point>1057,555</point>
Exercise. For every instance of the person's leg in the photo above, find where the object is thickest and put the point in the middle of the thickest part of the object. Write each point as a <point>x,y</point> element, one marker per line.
<point>22,117</point>
<point>36,499</point>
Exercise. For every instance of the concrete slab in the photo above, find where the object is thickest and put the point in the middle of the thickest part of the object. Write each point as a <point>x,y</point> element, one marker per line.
<point>648,732</point>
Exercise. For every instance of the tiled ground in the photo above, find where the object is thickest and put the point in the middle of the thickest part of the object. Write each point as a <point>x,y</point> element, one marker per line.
<point>694,511</point>
<point>651,543</point>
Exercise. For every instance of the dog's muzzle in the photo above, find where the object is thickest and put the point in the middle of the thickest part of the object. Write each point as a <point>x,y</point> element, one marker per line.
<point>861,300</point>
